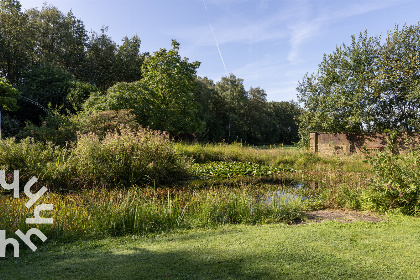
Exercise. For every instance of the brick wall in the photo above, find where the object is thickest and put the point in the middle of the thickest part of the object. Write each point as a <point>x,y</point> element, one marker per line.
<point>348,143</point>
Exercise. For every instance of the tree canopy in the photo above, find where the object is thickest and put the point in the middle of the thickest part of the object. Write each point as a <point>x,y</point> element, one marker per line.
<point>368,86</point>
<point>8,96</point>
<point>55,63</point>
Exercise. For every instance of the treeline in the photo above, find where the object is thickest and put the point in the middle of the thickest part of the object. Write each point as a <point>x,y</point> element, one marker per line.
<point>56,64</point>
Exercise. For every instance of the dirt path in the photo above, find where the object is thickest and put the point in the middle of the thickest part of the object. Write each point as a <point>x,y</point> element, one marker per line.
<point>343,216</point>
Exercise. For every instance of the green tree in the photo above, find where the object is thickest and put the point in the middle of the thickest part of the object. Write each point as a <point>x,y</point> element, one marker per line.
<point>78,93</point>
<point>129,60</point>
<point>124,96</point>
<point>59,39</point>
<point>397,78</point>
<point>285,127</point>
<point>8,98</point>
<point>235,96</point>
<point>367,86</point>
<point>172,79</point>
<point>101,61</point>
<point>258,117</point>
<point>16,46</point>
<point>212,111</point>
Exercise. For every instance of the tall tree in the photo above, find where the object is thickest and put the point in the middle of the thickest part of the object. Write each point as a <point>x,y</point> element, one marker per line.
<point>129,60</point>
<point>212,111</point>
<point>370,85</point>
<point>8,98</point>
<point>285,127</point>
<point>234,94</point>
<point>59,39</point>
<point>397,80</point>
<point>258,118</point>
<point>172,79</point>
<point>16,46</point>
<point>101,60</point>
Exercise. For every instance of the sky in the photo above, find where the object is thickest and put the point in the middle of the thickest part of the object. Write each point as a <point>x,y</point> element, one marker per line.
<point>269,44</point>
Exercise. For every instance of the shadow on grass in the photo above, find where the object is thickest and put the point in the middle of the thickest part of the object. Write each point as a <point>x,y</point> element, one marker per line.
<point>184,257</point>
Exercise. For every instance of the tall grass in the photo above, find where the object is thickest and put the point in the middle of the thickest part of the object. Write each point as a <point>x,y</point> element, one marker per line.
<point>103,212</point>
<point>277,156</point>
<point>122,158</point>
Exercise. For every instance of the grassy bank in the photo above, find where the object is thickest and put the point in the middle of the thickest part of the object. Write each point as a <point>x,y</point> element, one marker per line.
<point>233,184</point>
<point>330,250</point>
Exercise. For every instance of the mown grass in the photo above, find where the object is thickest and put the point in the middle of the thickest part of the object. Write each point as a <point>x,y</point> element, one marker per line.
<point>330,250</point>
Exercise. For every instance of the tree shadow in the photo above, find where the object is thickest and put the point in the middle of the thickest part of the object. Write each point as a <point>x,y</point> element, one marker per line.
<point>131,259</point>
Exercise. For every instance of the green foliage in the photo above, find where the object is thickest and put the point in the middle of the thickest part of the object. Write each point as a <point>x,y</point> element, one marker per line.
<point>396,184</point>
<point>172,79</point>
<point>129,60</point>
<point>49,57</point>
<point>105,122</point>
<point>62,129</point>
<point>230,113</point>
<point>46,84</point>
<point>134,96</point>
<point>339,97</point>
<point>59,39</point>
<point>56,128</point>
<point>121,158</point>
<point>107,63</point>
<point>284,126</point>
<point>366,86</point>
<point>101,61</point>
<point>78,93</point>
<point>234,169</point>
<point>127,158</point>
<point>30,158</point>
<point>15,41</point>
<point>8,96</point>
<point>102,212</point>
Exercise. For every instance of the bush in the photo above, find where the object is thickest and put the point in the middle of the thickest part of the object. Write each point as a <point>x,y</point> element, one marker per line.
<point>396,183</point>
<point>61,129</point>
<point>121,158</point>
<point>104,122</point>
<point>44,161</point>
<point>127,158</point>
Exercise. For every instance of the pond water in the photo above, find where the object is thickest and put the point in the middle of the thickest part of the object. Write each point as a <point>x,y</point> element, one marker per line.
<point>292,191</point>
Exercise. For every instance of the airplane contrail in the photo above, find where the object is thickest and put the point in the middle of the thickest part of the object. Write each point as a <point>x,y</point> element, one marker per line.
<point>215,39</point>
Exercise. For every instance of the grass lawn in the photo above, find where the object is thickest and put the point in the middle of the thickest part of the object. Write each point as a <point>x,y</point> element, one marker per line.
<point>328,250</point>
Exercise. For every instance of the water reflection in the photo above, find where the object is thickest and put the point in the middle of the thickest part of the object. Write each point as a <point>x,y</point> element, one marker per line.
<point>281,197</point>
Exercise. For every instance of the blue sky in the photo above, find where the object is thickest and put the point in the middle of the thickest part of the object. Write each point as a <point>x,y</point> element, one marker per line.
<point>270,44</point>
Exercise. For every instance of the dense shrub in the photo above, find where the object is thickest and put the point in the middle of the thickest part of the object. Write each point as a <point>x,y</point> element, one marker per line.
<point>62,129</point>
<point>127,157</point>
<point>396,183</point>
<point>44,161</point>
<point>122,158</point>
<point>104,122</point>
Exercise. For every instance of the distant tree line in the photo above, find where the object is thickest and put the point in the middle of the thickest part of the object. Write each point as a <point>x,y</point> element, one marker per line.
<point>50,58</point>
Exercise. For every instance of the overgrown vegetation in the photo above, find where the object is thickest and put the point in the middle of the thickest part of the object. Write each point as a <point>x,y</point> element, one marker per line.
<point>97,213</point>
<point>123,157</point>
<point>396,184</point>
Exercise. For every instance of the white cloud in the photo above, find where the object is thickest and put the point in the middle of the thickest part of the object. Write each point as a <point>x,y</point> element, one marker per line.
<point>308,25</point>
